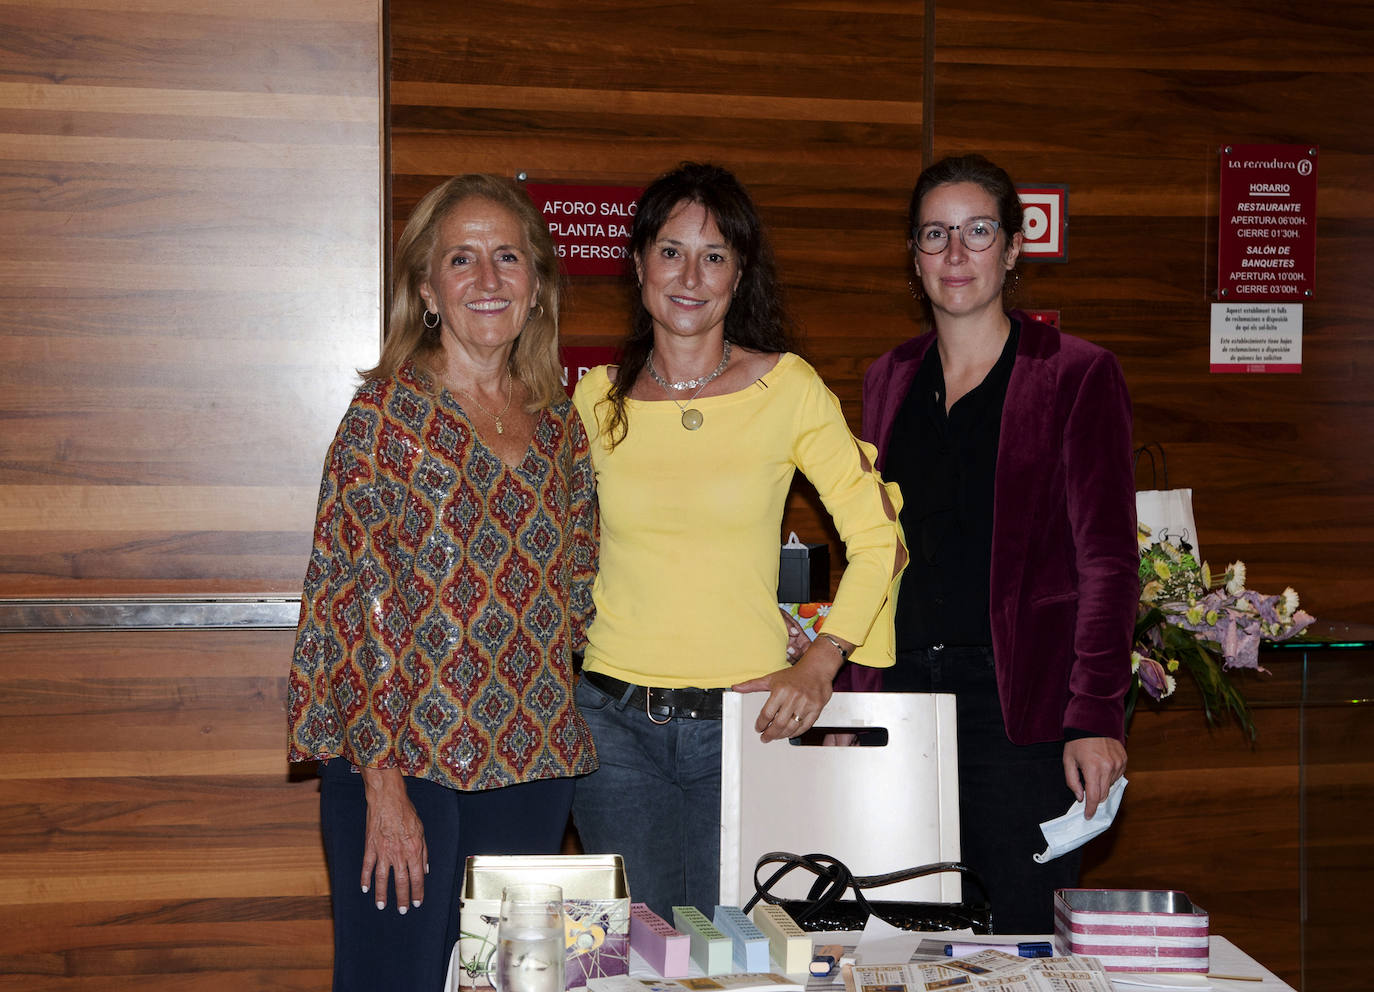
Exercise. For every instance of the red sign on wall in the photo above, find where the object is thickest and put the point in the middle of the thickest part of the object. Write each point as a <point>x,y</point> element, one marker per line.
<point>578,360</point>
<point>1045,222</point>
<point>590,225</point>
<point>1267,238</point>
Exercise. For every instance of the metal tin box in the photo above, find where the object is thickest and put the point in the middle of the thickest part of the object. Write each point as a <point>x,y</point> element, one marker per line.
<point>1133,929</point>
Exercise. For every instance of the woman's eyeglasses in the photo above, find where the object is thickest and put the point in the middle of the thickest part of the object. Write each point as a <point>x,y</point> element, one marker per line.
<point>977,234</point>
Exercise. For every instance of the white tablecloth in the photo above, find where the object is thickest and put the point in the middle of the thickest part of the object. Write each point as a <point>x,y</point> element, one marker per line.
<point>1225,957</point>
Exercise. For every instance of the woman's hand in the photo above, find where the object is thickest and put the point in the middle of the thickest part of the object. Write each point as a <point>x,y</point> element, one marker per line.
<point>395,841</point>
<point>1091,765</point>
<point>797,641</point>
<point>796,695</point>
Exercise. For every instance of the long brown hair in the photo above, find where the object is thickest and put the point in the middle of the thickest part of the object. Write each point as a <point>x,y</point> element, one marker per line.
<point>534,361</point>
<point>756,318</point>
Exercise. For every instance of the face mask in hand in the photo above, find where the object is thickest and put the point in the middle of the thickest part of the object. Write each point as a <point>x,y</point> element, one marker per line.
<point>1071,831</point>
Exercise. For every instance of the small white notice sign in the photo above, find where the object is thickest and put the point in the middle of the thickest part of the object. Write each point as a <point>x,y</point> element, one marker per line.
<point>1256,337</point>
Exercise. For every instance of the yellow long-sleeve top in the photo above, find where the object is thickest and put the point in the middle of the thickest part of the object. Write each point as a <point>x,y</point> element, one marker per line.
<point>691,527</point>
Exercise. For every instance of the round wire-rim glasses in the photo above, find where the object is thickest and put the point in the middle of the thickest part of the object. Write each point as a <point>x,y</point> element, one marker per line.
<point>977,234</point>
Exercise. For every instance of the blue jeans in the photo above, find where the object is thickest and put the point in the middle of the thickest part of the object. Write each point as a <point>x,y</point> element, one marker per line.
<point>655,801</point>
<point>377,950</point>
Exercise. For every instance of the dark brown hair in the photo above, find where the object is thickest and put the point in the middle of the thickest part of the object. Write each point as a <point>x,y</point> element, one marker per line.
<point>756,318</point>
<point>969,169</point>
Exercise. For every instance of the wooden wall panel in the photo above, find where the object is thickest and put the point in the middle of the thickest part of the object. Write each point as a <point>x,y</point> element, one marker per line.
<point>817,108</point>
<point>189,273</point>
<point>1338,851</point>
<point>151,836</point>
<point>190,270</point>
<point>1128,103</point>
<point>1207,814</point>
<point>1272,840</point>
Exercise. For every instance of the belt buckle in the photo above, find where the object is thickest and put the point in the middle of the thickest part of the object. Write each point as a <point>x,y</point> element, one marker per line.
<point>648,700</point>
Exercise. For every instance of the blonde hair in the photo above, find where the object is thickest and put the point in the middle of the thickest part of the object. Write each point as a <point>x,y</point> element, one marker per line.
<point>534,360</point>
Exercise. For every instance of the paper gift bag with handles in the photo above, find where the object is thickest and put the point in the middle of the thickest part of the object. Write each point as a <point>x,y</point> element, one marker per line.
<point>1167,512</point>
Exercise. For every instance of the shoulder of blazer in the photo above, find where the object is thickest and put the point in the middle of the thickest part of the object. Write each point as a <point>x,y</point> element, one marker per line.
<point>1041,342</point>
<point>889,363</point>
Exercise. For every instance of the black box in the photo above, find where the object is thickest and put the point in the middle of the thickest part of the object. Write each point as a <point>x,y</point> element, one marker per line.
<point>804,574</point>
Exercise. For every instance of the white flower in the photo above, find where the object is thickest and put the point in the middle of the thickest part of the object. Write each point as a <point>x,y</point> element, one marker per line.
<point>1235,584</point>
<point>1289,606</point>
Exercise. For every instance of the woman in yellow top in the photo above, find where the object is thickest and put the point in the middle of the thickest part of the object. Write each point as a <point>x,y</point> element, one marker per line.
<point>695,437</point>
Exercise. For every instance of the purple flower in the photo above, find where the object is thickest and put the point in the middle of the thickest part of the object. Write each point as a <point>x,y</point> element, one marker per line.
<point>1154,679</point>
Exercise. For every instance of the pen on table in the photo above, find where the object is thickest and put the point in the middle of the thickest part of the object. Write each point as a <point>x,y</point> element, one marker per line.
<point>1025,949</point>
<point>1235,978</point>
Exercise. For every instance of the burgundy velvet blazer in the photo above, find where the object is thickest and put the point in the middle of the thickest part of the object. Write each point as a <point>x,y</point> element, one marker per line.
<point>1064,586</point>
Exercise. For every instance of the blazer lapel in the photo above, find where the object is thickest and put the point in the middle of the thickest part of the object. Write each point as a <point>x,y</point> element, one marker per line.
<point>1027,450</point>
<point>905,361</point>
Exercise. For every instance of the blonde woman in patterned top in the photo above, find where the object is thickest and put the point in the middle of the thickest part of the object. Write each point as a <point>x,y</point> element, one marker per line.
<point>449,583</point>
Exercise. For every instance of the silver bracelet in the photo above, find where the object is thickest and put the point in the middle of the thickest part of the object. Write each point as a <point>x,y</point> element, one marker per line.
<point>844,655</point>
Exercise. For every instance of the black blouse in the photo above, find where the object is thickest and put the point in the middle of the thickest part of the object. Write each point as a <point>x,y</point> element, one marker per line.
<point>945,465</point>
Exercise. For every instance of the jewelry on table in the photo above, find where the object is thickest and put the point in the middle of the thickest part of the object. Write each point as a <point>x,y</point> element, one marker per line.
<point>510,394</point>
<point>692,418</point>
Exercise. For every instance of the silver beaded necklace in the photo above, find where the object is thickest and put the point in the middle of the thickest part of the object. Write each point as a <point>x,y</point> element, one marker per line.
<point>692,418</point>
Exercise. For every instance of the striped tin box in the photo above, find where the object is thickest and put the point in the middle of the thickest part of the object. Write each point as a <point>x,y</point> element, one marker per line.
<point>1132,929</point>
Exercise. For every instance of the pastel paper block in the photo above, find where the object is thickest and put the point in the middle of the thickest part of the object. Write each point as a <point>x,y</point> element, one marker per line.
<point>711,949</point>
<point>664,949</point>
<point>750,945</point>
<point>789,943</point>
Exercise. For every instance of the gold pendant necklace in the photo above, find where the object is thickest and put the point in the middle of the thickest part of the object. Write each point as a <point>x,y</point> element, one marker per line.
<point>510,394</point>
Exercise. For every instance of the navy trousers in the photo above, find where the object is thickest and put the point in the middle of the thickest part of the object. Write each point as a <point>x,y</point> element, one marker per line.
<point>381,950</point>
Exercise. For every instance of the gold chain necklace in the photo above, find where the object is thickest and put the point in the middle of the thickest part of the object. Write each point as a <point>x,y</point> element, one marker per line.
<point>510,395</point>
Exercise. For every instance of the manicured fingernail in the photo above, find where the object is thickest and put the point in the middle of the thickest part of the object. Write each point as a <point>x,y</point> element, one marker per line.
<point>426,867</point>
<point>415,903</point>
<point>364,888</point>
<point>401,910</point>
<point>381,905</point>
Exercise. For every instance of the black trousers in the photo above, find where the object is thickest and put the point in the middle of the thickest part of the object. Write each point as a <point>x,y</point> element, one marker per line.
<point>1006,790</point>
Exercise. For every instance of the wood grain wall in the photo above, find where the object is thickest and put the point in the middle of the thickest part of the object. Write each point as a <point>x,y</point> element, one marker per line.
<point>189,269</point>
<point>1272,840</point>
<point>1128,103</point>
<point>816,107</point>
<point>151,837</point>
<point>190,218</point>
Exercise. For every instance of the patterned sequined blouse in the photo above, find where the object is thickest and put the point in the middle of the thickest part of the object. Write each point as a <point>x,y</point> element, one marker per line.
<point>444,594</point>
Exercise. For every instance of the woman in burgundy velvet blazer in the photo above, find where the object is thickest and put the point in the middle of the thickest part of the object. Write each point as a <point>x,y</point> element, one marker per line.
<point>1041,684</point>
<point>1064,585</point>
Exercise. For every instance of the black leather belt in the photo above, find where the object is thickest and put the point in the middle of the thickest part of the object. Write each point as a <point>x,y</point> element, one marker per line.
<point>661,705</point>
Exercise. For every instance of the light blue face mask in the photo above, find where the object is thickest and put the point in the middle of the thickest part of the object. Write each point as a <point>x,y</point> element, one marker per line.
<point>1070,831</point>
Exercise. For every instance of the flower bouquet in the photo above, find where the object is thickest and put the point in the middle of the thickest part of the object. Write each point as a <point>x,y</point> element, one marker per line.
<point>1186,622</point>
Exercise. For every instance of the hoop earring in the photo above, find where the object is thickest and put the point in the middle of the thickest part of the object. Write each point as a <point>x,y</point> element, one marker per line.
<point>431,313</point>
<point>1012,282</point>
<point>917,293</point>
<point>533,314</point>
